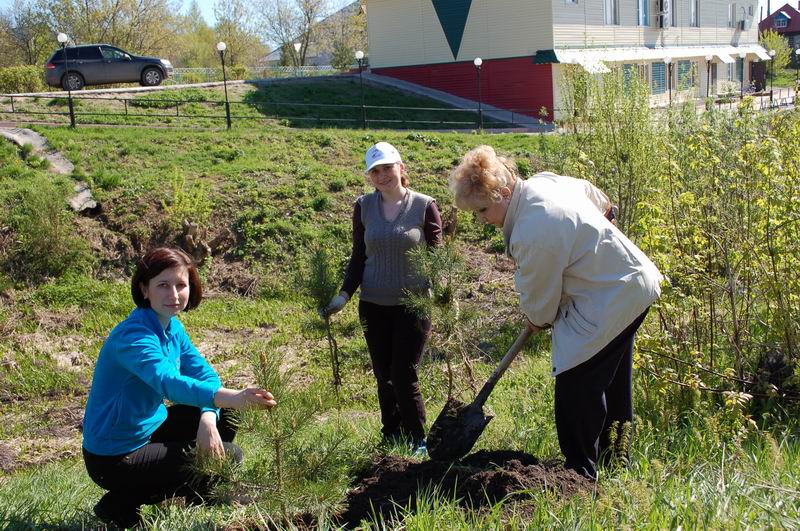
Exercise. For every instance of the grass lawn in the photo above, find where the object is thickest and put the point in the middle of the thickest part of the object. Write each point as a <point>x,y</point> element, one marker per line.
<point>313,103</point>
<point>269,195</point>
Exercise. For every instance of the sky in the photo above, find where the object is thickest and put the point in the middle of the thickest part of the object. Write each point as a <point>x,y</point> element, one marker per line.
<point>207,6</point>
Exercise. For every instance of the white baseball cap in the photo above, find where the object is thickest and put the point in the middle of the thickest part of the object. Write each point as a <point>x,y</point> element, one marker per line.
<point>381,153</point>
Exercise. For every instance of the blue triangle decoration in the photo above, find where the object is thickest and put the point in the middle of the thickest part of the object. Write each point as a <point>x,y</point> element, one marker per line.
<point>453,16</point>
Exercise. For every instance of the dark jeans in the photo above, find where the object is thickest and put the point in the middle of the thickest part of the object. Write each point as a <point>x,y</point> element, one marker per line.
<point>396,340</point>
<point>593,399</point>
<point>160,469</point>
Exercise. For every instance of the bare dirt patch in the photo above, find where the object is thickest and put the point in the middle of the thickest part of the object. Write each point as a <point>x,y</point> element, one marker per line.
<point>47,434</point>
<point>478,481</point>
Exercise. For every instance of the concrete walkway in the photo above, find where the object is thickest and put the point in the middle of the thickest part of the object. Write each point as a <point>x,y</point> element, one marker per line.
<point>58,162</point>
<point>134,89</point>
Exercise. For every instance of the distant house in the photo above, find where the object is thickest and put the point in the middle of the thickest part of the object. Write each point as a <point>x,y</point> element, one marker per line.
<point>785,21</point>
<point>525,45</point>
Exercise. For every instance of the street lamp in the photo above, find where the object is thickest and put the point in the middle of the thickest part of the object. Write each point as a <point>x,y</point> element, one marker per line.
<point>360,59</point>
<point>63,39</point>
<point>771,74</point>
<point>221,46</point>
<point>742,55</point>
<point>796,69</point>
<point>297,47</point>
<point>708,74</point>
<point>668,62</point>
<point>478,62</point>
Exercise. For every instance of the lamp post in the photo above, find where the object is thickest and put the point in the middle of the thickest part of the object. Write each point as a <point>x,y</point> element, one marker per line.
<point>796,70</point>
<point>478,62</point>
<point>221,46</point>
<point>297,47</point>
<point>771,74</point>
<point>360,59</point>
<point>63,39</point>
<point>668,61</point>
<point>708,74</point>
<point>742,55</point>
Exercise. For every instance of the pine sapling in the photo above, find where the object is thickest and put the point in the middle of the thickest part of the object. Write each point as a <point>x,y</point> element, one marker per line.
<point>322,285</point>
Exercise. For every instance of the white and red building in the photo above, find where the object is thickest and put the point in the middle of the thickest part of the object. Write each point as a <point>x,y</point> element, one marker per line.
<point>708,45</point>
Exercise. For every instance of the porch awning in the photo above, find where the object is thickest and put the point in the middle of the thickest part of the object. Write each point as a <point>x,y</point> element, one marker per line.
<point>593,59</point>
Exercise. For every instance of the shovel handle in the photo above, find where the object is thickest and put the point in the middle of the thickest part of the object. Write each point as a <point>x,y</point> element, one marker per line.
<point>504,364</point>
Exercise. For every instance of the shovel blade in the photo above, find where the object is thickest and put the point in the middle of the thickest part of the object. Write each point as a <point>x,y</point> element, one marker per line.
<point>456,430</point>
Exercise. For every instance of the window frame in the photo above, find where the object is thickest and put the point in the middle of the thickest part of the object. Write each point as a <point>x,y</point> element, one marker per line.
<point>611,12</point>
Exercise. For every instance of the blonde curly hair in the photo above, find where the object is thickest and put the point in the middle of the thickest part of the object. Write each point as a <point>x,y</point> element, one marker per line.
<point>476,182</point>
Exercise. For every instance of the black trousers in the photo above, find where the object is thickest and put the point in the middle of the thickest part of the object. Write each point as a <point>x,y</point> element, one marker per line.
<point>396,340</point>
<point>595,399</point>
<point>160,469</point>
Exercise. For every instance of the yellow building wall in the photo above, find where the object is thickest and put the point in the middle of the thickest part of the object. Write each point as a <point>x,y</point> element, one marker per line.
<point>408,32</point>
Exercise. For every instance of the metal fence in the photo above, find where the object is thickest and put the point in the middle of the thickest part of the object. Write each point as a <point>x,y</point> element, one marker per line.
<point>112,110</point>
<point>181,76</point>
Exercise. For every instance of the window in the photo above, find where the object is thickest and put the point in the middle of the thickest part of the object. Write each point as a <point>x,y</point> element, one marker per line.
<point>658,82</point>
<point>89,53</point>
<point>571,2</point>
<point>686,75</point>
<point>694,13</point>
<point>673,10</point>
<point>731,15</point>
<point>736,70</point>
<point>112,54</point>
<point>611,11</point>
<point>781,22</point>
<point>643,12</point>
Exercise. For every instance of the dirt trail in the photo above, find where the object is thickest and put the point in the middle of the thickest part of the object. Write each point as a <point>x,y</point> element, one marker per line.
<point>479,480</point>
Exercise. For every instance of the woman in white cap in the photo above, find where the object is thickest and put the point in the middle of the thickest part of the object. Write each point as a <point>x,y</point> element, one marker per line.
<point>579,274</point>
<point>387,223</point>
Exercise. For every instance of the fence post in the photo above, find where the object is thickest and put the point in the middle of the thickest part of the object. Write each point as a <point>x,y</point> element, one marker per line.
<point>12,105</point>
<point>125,101</point>
<point>177,108</point>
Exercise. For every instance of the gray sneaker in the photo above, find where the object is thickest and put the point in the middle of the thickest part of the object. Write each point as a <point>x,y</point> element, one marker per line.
<point>419,449</point>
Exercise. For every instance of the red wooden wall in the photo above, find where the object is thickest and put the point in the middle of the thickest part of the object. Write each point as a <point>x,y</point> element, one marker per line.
<point>514,84</point>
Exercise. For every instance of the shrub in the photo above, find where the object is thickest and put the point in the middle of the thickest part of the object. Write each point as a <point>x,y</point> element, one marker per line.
<point>45,244</point>
<point>21,79</point>
<point>237,72</point>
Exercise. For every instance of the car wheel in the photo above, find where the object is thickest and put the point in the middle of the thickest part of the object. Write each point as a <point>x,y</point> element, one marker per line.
<point>151,77</point>
<point>72,81</point>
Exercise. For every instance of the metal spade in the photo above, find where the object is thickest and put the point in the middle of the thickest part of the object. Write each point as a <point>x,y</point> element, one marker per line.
<point>459,425</point>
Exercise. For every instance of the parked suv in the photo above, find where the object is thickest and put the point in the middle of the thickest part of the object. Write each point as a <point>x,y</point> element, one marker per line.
<point>101,64</point>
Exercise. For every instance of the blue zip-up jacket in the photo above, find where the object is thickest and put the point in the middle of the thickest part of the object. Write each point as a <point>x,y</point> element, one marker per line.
<point>140,365</point>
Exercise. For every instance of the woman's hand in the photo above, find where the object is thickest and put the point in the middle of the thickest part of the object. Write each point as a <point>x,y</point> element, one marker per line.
<point>208,438</point>
<point>336,305</point>
<point>250,398</point>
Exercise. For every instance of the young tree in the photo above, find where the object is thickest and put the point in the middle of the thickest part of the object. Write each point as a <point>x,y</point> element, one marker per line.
<point>342,34</point>
<point>772,40</point>
<point>235,27</point>
<point>196,41</point>
<point>25,37</point>
<point>285,22</point>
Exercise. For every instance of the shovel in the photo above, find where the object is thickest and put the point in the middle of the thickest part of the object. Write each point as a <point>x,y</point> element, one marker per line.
<point>459,425</point>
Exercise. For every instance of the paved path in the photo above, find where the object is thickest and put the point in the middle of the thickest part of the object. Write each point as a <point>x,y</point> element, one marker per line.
<point>124,90</point>
<point>58,162</point>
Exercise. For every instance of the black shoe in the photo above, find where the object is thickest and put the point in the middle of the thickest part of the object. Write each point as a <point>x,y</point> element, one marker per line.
<point>116,515</point>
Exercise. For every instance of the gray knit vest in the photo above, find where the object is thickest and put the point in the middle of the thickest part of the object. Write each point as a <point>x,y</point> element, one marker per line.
<point>387,271</point>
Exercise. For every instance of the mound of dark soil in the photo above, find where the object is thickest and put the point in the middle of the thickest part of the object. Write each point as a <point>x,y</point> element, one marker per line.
<point>479,480</point>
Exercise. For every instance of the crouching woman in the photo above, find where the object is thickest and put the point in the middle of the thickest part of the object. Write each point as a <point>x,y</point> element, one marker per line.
<point>133,446</point>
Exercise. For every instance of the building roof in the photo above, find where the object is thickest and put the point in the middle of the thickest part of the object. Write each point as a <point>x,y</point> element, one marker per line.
<point>792,16</point>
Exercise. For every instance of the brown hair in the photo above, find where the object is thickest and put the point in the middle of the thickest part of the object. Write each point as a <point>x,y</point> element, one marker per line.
<point>476,182</point>
<point>157,260</point>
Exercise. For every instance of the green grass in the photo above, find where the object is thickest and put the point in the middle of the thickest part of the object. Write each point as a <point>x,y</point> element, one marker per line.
<point>280,191</point>
<point>314,103</point>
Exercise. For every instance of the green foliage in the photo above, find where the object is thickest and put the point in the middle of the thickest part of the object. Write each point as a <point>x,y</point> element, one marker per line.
<point>188,202</point>
<point>45,244</point>
<point>344,57</point>
<point>21,79</point>
<point>772,40</point>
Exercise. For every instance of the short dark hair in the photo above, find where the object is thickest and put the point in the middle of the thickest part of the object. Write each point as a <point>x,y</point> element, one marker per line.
<point>157,260</point>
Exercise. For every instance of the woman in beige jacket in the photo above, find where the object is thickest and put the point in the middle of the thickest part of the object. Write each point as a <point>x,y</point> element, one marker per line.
<point>577,273</point>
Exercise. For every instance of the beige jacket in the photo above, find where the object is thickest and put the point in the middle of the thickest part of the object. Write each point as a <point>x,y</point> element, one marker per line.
<point>575,270</point>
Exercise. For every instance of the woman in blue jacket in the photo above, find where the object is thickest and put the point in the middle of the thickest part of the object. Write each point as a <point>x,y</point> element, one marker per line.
<point>134,446</point>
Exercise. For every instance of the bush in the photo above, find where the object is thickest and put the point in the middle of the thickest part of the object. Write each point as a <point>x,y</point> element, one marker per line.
<point>237,72</point>
<point>45,245</point>
<point>21,79</point>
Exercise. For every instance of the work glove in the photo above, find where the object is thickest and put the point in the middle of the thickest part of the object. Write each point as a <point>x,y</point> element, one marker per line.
<point>336,304</point>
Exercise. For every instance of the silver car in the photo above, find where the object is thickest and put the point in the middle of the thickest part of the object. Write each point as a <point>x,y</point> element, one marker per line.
<point>74,67</point>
